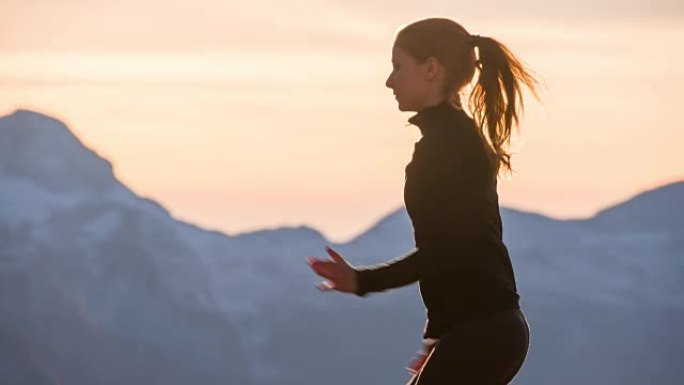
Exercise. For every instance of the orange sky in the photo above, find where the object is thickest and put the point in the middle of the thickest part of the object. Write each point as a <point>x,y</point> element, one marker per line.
<point>237,139</point>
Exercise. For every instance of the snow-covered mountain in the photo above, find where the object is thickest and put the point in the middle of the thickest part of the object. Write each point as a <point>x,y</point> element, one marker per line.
<point>101,286</point>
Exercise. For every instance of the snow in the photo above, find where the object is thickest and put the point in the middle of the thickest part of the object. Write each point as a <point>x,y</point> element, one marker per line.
<point>26,201</point>
<point>100,229</point>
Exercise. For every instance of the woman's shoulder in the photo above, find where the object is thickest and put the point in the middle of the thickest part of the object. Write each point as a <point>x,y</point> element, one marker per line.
<point>459,144</point>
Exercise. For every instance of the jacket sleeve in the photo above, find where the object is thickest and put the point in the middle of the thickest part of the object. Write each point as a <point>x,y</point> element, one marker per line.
<point>447,192</point>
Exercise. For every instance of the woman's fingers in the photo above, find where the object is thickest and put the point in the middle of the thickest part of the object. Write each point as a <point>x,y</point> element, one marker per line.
<point>324,271</point>
<point>327,269</point>
<point>325,286</point>
<point>334,255</point>
<point>335,271</point>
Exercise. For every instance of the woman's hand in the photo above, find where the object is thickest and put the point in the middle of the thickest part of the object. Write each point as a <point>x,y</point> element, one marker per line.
<point>340,275</point>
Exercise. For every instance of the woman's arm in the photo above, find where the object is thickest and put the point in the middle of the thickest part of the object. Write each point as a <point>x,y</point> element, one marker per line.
<point>447,218</point>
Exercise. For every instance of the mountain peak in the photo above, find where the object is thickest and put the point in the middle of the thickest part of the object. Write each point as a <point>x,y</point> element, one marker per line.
<point>31,114</point>
<point>655,209</point>
<point>44,151</point>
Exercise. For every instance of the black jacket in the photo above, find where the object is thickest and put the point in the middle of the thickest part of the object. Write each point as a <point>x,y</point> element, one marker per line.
<point>450,195</point>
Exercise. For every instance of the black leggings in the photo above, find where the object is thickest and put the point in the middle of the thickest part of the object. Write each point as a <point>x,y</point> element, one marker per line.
<point>488,352</point>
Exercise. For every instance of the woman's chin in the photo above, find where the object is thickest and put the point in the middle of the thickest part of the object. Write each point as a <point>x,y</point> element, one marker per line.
<point>404,108</point>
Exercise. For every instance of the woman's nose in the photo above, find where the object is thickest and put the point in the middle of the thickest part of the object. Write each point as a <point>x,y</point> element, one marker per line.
<point>388,82</point>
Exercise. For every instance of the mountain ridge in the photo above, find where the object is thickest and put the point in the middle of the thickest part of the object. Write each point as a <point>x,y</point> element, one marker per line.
<point>101,177</point>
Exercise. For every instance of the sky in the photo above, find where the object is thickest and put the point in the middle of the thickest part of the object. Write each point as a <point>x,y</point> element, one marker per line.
<point>239,116</point>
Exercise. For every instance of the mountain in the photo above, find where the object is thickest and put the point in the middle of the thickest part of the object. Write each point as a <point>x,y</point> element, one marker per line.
<point>100,285</point>
<point>659,209</point>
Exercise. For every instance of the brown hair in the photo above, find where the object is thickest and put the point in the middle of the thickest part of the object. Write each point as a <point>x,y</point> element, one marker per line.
<point>496,99</point>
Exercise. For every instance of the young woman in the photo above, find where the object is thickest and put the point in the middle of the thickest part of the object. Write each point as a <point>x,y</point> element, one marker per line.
<point>475,332</point>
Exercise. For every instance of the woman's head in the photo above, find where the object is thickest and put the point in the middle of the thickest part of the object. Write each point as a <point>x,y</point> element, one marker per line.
<point>436,58</point>
<point>442,56</point>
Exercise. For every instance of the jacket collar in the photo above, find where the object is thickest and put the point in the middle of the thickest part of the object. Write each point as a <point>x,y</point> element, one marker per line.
<point>436,118</point>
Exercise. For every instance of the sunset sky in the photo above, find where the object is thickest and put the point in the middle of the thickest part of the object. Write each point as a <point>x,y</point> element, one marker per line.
<point>245,115</point>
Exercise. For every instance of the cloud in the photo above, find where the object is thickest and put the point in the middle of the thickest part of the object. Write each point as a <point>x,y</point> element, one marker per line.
<point>582,9</point>
<point>133,25</point>
<point>167,26</point>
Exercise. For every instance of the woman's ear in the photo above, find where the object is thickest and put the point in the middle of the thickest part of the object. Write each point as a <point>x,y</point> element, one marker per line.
<point>433,68</point>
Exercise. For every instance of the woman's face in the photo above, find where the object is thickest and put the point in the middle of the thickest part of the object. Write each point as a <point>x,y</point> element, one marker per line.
<point>410,80</point>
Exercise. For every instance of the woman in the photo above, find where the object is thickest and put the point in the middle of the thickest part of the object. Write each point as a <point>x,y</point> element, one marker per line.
<point>475,332</point>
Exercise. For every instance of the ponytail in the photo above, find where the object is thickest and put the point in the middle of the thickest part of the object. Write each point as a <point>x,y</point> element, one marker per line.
<point>496,99</point>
